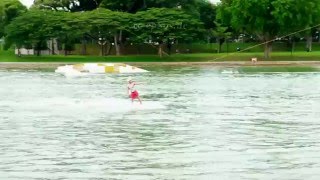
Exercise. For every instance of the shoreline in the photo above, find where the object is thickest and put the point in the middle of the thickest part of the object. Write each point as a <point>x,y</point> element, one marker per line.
<point>53,65</point>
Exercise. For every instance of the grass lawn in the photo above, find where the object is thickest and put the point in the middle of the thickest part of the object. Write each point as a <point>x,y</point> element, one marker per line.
<point>8,56</point>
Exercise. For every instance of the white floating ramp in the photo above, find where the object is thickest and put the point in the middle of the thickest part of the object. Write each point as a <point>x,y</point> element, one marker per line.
<point>101,68</point>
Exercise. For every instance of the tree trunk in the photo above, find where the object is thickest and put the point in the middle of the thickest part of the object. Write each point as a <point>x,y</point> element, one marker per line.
<point>116,45</point>
<point>160,50</point>
<point>309,44</point>
<point>65,50</point>
<point>293,43</point>
<point>105,49</point>
<point>19,52</point>
<point>109,47</point>
<point>220,42</point>
<point>37,47</point>
<point>219,48</point>
<point>219,45</point>
<point>84,46</point>
<point>227,47</point>
<point>101,50</point>
<point>267,50</point>
<point>120,42</point>
<point>52,47</point>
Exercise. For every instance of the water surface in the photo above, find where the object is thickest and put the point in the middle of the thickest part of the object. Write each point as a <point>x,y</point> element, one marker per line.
<point>195,123</point>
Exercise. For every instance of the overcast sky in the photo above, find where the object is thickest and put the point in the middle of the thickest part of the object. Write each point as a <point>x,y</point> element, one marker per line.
<point>29,2</point>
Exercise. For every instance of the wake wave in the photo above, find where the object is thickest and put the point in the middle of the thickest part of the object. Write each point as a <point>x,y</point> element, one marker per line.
<point>70,105</point>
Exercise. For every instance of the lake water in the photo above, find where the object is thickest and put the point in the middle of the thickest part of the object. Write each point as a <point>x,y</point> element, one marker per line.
<point>195,123</point>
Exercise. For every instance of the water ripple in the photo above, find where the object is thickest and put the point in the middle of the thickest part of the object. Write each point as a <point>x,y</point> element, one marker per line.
<point>196,123</point>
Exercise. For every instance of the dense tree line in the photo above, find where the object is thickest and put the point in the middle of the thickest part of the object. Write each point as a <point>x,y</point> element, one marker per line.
<point>270,19</point>
<point>159,23</point>
<point>156,25</point>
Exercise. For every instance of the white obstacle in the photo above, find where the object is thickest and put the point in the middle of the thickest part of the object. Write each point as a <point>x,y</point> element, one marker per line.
<point>98,68</point>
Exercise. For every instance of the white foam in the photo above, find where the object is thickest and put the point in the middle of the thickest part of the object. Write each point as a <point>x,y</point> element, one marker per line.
<point>84,106</point>
<point>121,105</point>
<point>229,71</point>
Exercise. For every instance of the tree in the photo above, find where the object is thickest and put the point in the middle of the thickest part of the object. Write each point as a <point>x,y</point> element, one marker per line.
<point>66,27</point>
<point>130,6</point>
<point>44,25</point>
<point>224,13</point>
<point>222,34</point>
<point>298,15</point>
<point>162,26</point>
<point>208,14</point>
<point>106,25</point>
<point>9,9</point>
<point>224,27</point>
<point>269,19</point>
<point>21,33</point>
<point>133,6</point>
<point>256,17</point>
<point>67,5</point>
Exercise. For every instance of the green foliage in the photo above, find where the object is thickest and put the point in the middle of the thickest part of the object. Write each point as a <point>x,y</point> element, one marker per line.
<point>165,26</point>
<point>9,9</point>
<point>161,21</point>
<point>21,33</point>
<point>294,15</point>
<point>104,23</point>
<point>43,25</point>
<point>224,13</point>
<point>268,19</point>
<point>67,27</point>
<point>221,32</point>
<point>133,6</point>
<point>255,17</point>
<point>161,24</point>
<point>67,5</point>
<point>130,6</point>
<point>208,14</point>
